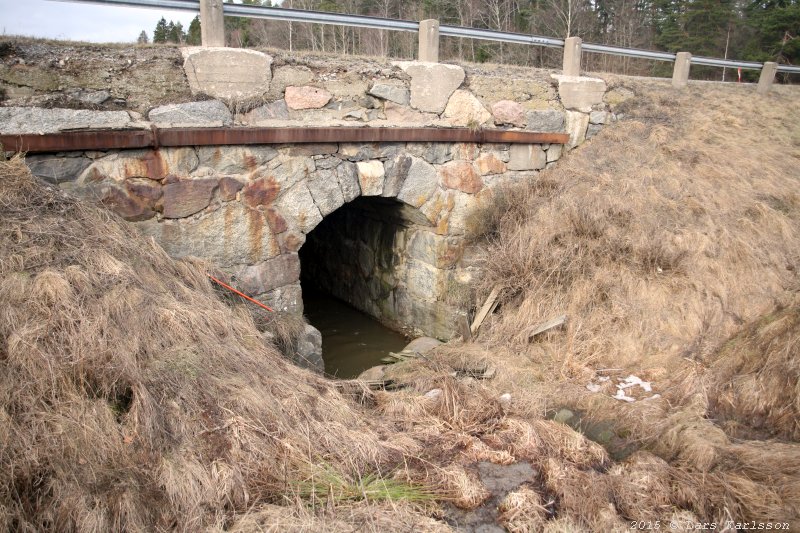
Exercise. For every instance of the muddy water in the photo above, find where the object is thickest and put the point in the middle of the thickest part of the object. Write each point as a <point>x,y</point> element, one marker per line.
<point>351,340</point>
<point>499,480</point>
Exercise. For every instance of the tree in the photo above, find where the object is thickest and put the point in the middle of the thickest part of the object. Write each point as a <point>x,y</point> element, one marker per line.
<point>775,31</point>
<point>143,39</point>
<point>160,33</point>
<point>194,35</point>
<point>176,33</point>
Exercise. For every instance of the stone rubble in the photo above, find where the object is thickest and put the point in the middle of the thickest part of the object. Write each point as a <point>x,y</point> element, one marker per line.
<point>207,113</point>
<point>306,97</point>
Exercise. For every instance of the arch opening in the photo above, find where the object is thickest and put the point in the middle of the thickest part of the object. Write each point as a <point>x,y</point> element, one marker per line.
<point>377,255</point>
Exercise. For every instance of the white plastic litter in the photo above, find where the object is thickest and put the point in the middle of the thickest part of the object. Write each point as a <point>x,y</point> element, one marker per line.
<point>623,397</point>
<point>632,381</point>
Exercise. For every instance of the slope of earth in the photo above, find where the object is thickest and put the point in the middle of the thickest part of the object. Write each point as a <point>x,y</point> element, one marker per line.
<point>671,242</point>
<point>134,397</point>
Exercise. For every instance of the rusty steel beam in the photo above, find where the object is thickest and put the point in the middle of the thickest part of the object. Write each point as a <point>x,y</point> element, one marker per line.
<point>77,140</point>
<point>177,137</point>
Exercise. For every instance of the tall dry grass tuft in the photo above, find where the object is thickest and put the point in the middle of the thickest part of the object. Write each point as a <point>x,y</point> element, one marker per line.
<point>672,242</point>
<point>131,397</point>
<point>754,380</point>
<point>659,237</point>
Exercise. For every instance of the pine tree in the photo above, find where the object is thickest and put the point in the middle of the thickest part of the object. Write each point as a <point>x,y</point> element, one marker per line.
<point>160,33</point>
<point>176,34</point>
<point>143,39</point>
<point>194,36</point>
<point>774,31</point>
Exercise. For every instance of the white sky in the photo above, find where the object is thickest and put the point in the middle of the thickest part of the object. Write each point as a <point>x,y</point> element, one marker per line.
<point>82,22</point>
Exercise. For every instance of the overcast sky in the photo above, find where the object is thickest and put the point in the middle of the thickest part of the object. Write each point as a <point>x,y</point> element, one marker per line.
<point>82,22</point>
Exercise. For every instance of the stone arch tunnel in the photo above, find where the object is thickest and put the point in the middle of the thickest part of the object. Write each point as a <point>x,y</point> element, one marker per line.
<point>376,214</point>
<point>379,225</point>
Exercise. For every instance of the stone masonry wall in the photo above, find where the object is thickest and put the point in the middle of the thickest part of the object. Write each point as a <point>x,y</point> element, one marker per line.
<point>248,209</point>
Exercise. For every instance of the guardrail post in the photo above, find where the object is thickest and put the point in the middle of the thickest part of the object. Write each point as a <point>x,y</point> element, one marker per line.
<point>212,23</point>
<point>428,40</point>
<point>767,77</point>
<point>572,56</point>
<point>680,74</point>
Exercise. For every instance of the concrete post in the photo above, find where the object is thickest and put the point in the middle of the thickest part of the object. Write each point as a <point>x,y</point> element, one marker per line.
<point>680,74</point>
<point>428,40</point>
<point>767,77</point>
<point>572,56</point>
<point>212,23</point>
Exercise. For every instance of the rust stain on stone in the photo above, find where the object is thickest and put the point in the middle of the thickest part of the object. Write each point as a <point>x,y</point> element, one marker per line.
<point>131,209</point>
<point>227,229</point>
<point>260,192</point>
<point>255,231</point>
<point>146,191</point>
<point>95,176</point>
<point>154,165</point>
<point>229,187</point>
<point>276,222</point>
<point>444,221</point>
<point>291,242</point>
<point>250,162</point>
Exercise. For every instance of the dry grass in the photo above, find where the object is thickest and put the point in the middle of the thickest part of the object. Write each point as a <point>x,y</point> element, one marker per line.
<point>671,246</point>
<point>131,397</point>
<point>676,262</point>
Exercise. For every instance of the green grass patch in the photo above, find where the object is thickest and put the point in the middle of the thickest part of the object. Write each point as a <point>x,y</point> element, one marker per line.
<point>326,483</point>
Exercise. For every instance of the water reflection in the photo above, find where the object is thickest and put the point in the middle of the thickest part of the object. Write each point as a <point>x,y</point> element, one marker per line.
<point>352,341</point>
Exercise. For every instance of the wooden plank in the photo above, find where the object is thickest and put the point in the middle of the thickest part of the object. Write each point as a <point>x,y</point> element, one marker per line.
<point>464,329</point>
<point>488,306</point>
<point>545,326</point>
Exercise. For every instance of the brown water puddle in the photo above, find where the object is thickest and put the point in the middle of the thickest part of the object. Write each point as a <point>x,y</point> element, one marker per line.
<point>352,341</point>
<point>499,480</point>
<point>603,432</point>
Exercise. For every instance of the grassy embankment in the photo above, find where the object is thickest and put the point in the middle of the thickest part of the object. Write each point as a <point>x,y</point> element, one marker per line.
<point>132,397</point>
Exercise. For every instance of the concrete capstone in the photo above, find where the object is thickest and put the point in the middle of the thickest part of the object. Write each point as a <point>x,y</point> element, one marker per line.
<point>580,93</point>
<point>227,73</point>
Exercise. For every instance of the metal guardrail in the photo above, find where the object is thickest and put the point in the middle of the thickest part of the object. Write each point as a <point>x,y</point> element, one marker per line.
<point>361,21</point>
